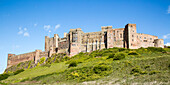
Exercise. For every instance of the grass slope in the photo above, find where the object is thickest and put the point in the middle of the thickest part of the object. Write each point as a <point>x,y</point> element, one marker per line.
<point>107,66</point>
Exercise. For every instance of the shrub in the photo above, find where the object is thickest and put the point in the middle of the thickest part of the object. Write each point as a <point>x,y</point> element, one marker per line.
<point>122,49</point>
<point>89,73</point>
<point>154,49</point>
<point>102,69</point>
<point>38,64</point>
<point>79,60</point>
<point>56,60</point>
<point>61,59</point>
<point>49,60</point>
<point>42,60</point>
<point>111,56</point>
<point>29,64</point>
<point>66,58</point>
<point>133,53</point>
<point>119,56</point>
<point>135,70</point>
<point>72,64</point>
<point>153,72</point>
<point>19,64</point>
<point>4,76</point>
<point>147,66</point>
<point>96,53</point>
<point>18,71</point>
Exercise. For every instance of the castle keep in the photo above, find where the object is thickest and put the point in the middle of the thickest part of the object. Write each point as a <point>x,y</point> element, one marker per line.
<point>76,41</point>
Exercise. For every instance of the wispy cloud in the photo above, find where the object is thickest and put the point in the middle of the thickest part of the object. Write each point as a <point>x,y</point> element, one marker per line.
<point>23,32</point>
<point>47,27</point>
<point>50,28</point>
<point>166,36</point>
<point>25,29</point>
<point>26,34</point>
<point>15,46</point>
<point>35,25</point>
<point>167,44</point>
<point>169,9</point>
<point>56,27</point>
<point>20,31</point>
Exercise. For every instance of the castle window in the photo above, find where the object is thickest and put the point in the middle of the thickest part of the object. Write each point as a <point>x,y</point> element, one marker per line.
<point>74,37</point>
<point>144,37</point>
<point>144,40</point>
<point>131,26</point>
<point>114,34</point>
<point>132,40</point>
<point>150,38</point>
<point>120,35</point>
<point>132,36</point>
<point>160,42</point>
<point>73,44</point>
<point>114,38</point>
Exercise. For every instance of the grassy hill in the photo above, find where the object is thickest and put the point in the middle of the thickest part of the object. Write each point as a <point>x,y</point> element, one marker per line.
<point>107,66</point>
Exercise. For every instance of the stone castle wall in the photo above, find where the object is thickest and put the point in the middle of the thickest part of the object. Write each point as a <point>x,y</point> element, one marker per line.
<point>16,59</point>
<point>76,41</point>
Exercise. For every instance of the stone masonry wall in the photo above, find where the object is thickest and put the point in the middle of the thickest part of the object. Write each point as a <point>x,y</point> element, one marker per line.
<point>16,59</point>
<point>77,41</point>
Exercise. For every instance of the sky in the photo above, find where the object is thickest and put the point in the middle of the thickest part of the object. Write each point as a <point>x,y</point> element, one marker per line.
<point>25,23</point>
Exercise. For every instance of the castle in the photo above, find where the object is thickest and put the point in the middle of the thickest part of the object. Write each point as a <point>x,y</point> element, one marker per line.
<point>77,41</point>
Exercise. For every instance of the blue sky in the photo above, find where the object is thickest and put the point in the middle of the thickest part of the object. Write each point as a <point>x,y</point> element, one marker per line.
<point>25,23</point>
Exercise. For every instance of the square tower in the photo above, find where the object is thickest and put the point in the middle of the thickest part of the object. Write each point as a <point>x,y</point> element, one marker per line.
<point>130,36</point>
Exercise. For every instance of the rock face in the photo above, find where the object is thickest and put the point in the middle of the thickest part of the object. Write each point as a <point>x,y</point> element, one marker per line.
<point>76,41</point>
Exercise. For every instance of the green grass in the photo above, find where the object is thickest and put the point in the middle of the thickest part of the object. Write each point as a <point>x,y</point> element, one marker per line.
<point>140,66</point>
<point>37,71</point>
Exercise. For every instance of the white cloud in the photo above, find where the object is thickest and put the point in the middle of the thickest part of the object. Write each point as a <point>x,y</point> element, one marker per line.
<point>25,29</point>
<point>20,28</point>
<point>35,25</point>
<point>26,34</point>
<point>47,27</point>
<point>20,32</point>
<point>57,26</point>
<point>167,44</point>
<point>169,9</point>
<point>166,36</point>
<point>49,31</point>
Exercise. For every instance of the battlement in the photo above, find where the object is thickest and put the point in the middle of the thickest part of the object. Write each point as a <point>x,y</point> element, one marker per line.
<point>77,29</point>
<point>105,28</point>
